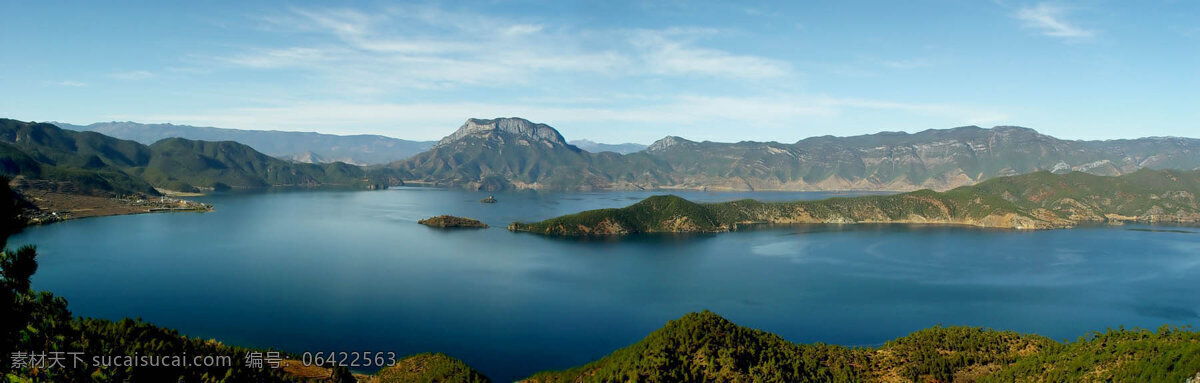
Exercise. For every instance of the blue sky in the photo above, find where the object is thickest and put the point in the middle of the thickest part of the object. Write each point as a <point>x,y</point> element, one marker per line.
<point>610,71</point>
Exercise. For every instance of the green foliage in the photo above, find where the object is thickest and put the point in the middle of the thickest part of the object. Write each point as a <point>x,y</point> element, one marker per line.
<point>92,163</point>
<point>703,347</point>
<point>16,268</point>
<point>430,368</point>
<point>1171,354</point>
<point>941,353</point>
<point>11,205</point>
<point>1134,194</point>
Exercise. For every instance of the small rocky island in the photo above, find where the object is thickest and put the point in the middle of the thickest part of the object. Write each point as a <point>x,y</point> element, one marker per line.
<point>489,199</point>
<point>452,222</point>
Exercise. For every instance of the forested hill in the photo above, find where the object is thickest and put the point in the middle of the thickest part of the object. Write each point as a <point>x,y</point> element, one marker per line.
<point>517,153</point>
<point>361,149</point>
<point>92,163</point>
<point>1032,201</point>
<point>704,347</point>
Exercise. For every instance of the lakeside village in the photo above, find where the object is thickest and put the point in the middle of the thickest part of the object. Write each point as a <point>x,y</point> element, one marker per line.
<point>128,204</point>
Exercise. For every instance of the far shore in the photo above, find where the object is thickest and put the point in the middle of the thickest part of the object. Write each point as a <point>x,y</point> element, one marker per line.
<point>56,206</point>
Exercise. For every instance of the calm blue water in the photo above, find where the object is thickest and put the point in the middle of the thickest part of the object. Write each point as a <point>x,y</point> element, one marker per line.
<point>353,271</point>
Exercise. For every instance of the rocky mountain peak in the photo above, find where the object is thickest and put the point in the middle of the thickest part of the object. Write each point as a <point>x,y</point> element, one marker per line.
<point>510,125</point>
<point>1015,130</point>
<point>667,142</point>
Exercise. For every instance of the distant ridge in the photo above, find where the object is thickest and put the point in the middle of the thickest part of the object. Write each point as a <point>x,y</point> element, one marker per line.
<point>47,157</point>
<point>596,147</point>
<point>362,149</point>
<point>516,153</point>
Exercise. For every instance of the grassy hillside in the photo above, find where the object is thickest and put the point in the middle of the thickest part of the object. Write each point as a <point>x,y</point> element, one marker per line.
<point>92,163</point>
<point>1032,201</point>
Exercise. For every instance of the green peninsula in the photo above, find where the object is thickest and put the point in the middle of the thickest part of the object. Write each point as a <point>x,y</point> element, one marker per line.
<point>1041,200</point>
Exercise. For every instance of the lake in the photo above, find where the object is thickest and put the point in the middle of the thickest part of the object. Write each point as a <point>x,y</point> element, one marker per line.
<point>353,271</point>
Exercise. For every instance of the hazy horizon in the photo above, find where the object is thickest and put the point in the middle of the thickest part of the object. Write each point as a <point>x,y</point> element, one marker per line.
<point>569,138</point>
<point>611,72</point>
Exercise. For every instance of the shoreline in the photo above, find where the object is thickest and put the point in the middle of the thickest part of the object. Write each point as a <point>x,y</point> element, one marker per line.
<point>473,186</point>
<point>519,227</point>
<point>51,207</point>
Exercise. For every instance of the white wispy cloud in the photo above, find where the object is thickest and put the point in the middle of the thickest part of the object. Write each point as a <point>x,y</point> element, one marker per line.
<point>664,53</point>
<point>69,83</point>
<point>362,70</point>
<point>421,47</point>
<point>132,75</point>
<point>1050,20</point>
<point>913,63</point>
<point>279,58</point>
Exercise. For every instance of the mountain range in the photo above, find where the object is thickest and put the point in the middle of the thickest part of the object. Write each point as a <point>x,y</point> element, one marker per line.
<point>596,147</point>
<point>362,149</point>
<point>53,158</point>
<point>516,153</point>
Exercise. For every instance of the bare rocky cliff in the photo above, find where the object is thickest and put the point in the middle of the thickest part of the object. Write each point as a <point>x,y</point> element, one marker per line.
<point>519,127</point>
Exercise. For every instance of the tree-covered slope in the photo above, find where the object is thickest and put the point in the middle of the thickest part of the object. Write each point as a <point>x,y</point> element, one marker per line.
<point>703,347</point>
<point>363,149</point>
<point>429,368</point>
<point>1115,355</point>
<point>208,164</point>
<point>92,163</point>
<point>1030,201</point>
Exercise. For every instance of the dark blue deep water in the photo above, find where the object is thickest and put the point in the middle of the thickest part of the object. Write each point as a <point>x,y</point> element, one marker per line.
<point>353,271</point>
